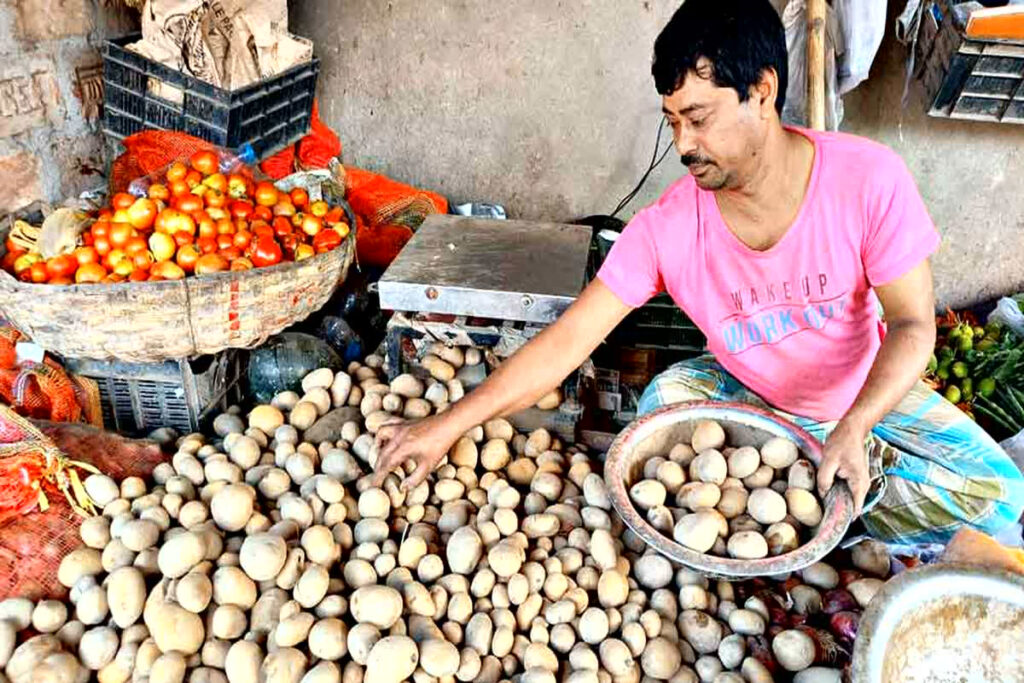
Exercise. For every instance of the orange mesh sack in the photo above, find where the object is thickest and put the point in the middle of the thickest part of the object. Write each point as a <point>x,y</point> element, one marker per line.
<point>382,201</point>
<point>148,152</point>
<point>42,458</point>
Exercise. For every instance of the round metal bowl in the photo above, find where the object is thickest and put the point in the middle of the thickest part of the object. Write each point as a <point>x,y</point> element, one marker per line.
<point>943,624</point>
<point>655,434</point>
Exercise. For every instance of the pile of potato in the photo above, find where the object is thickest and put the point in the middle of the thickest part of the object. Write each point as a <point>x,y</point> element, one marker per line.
<point>742,503</point>
<point>264,554</point>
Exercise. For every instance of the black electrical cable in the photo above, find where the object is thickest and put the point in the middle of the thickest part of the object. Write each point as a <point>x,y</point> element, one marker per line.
<point>655,162</point>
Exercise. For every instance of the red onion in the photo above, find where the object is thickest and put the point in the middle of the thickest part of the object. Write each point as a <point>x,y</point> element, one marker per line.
<point>848,576</point>
<point>838,600</point>
<point>830,650</point>
<point>760,649</point>
<point>844,625</point>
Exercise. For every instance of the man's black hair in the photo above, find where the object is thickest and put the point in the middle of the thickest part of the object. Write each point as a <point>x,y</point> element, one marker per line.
<point>740,39</point>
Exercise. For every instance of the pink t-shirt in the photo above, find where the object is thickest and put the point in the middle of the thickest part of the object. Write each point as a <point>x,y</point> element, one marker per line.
<point>799,323</point>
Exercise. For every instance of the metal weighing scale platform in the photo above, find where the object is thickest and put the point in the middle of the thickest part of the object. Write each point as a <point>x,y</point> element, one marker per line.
<point>482,282</point>
<point>503,270</point>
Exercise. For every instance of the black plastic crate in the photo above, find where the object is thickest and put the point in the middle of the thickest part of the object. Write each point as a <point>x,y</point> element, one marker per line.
<point>268,115</point>
<point>137,398</point>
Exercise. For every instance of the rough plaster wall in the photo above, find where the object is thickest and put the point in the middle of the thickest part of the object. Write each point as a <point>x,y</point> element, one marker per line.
<point>549,108</point>
<point>49,147</point>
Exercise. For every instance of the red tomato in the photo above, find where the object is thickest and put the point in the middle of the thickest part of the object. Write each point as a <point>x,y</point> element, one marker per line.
<point>225,241</point>
<point>299,197</point>
<point>87,239</point>
<point>186,258</point>
<point>206,162</point>
<point>122,200</point>
<point>90,273</point>
<point>262,230</point>
<point>335,215</point>
<point>262,213</point>
<point>284,209</point>
<point>266,194</point>
<point>38,273</point>
<point>207,226</point>
<point>143,260</point>
<point>142,213</point>
<point>326,240</point>
<point>139,275</point>
<point>62,280</point>
<point>177,172</point>
<point>64,265</point>
<point>231,253</point>
<point>241,209</point>
<point>282,226</point>
<point>189,203</point>
<point>100,228</point>
<point>159,191</point>
<point>206,245</point>
<point>181,238</point>
<point>193,178</point>
<point>265,252</point>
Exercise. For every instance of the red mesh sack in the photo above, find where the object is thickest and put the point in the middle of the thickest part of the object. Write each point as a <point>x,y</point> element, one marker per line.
<point>379,245</point>
<point>148,152</point>
<point>314,150</point>
<point>33,542</point>
<point>382,201</point>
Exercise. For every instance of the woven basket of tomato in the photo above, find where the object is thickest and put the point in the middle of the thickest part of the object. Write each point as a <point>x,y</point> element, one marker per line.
<point>198,259</point>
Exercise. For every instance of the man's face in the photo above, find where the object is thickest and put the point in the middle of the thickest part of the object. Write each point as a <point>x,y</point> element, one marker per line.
<point>718,137</point>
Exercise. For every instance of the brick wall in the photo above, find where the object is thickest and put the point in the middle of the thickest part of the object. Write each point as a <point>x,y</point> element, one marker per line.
<point>50,145</point>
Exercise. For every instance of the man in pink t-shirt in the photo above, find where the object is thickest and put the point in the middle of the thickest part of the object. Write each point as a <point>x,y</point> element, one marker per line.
<point>781,244</point>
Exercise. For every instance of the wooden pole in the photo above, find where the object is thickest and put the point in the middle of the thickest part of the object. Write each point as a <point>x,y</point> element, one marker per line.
<point>816,64</point>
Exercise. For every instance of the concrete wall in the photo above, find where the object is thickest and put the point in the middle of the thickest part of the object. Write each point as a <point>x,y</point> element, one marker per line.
<point>49,71</point>
<point>548,107</point>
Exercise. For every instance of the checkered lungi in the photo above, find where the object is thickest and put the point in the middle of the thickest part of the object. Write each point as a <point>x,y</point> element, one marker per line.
<point>932,468</point>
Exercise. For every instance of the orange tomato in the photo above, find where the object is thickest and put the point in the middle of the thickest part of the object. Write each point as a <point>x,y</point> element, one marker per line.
<point>124,267</point>
<point>122,200</point>
<point>142,213</point>
<point>120,233</point>
<point>177,171</point>
<point>179,188</point>
<point>206,245</point>
<point>135,245</point>
<point>193,178</point>
<point>62,280</point>
<point>139,275</point>
<point>189,203</point>
<point>87,238</point>
<point>242,238</point>
<point>186,258</point>
<point>335,215</point>
<point>224,227</point>
<point>159,191</point>
<point>238,186</point>
<point>262,230</point>
<point>215,199</point>
<point>299,197</point>
<point>216,181</point>
<point>262,213</point>
<point>100,228</point>
<point>38,273</point>
<point>284,209</point>
<point>143,260</point>
<point>206,225</point>
<point>319,208</point>
<point>90,273</point>
<point>102,245</point>
<point>241,264</point>
<point>266,194</point>
<point>84,255</point>
<point>211,263</point>
<point>311,225</point>
<point>162,245</point>
<point>282,226</point>
<point>303,252</point>
<point>121,216</point>
<point>225,241</point>
<point>181,238</point>
<point>61,266</point>
<point>342,229</point>
<point>23,263</point>
<point>10,258</point>
<point>206,162</point>
<point>216,212</point>
<point>231,253</point>
<point>166,270</point>
<point>113,258</point>
<point>241,209</point>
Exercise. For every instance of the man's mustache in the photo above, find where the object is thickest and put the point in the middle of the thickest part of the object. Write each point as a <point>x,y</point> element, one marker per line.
<point>694,160</point>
